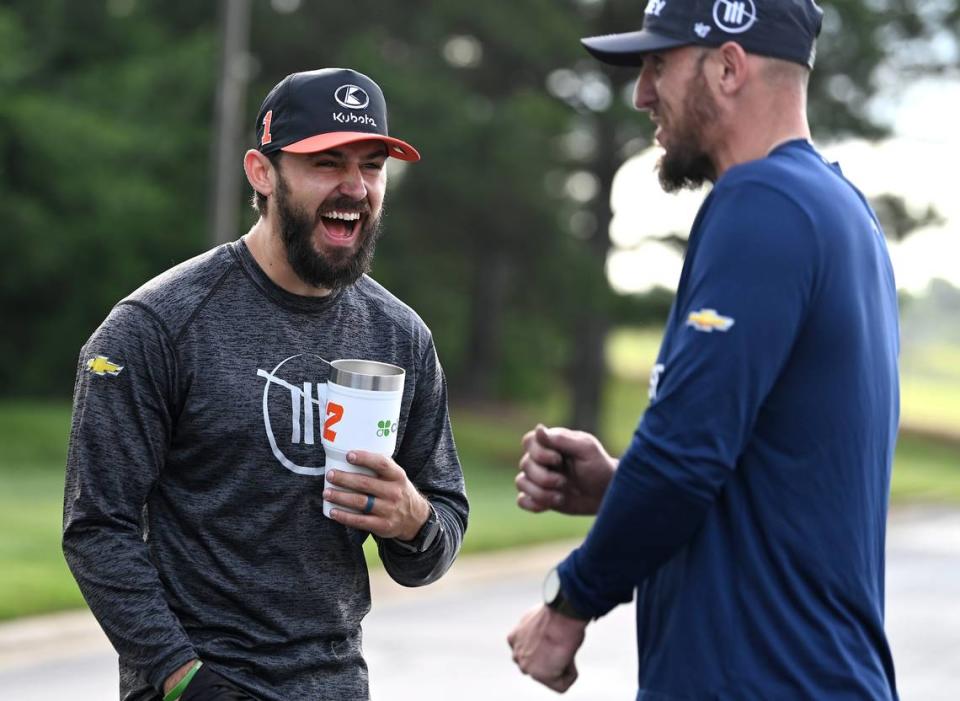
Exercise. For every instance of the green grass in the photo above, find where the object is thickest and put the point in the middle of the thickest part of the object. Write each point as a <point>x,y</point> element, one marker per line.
<point>631,352</point>
<point>489,447</point>
<point>925,471</point>
<point>930,392</point>
<point>930,403</point>
<point>934,360</point>
<point>33,576</point>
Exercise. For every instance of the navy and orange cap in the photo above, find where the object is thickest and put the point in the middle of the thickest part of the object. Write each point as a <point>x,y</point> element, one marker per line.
<point>785,29</point>
<point>319,110</point>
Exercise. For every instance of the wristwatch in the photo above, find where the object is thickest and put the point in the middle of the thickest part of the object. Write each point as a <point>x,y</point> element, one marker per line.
<point>554,598</point>
<point>425,537</point>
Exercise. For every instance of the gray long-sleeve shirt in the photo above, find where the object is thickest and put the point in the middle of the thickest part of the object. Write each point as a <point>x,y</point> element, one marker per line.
<point>186,525</point>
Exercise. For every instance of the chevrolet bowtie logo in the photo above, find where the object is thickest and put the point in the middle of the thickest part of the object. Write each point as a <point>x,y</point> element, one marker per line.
<point>708,320</point>
<point>101,365</point>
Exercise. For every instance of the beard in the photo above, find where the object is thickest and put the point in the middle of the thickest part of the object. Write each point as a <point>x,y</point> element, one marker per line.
<point>685,163</point>
<point>329,269</point>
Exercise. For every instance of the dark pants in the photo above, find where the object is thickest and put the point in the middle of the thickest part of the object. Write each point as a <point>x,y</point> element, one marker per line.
<point>207,685</point>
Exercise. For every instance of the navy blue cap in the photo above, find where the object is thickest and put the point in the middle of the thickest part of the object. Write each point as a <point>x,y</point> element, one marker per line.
<point>319,110</point>
<point>785,29</point>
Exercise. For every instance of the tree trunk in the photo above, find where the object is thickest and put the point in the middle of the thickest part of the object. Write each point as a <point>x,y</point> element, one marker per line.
<point>589,367</point>
<point>488,299</point>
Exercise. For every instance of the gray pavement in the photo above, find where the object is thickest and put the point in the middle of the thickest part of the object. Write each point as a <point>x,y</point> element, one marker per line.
<point>448,640</point>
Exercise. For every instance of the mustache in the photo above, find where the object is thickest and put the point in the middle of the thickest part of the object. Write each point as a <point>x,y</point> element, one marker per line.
<point>344,203</point>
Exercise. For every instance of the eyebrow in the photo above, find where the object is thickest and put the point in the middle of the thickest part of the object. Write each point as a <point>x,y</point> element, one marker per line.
<point>379,151</point>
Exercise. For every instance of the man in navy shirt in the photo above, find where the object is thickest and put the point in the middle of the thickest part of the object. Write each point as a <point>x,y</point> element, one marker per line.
<point>748,513</point>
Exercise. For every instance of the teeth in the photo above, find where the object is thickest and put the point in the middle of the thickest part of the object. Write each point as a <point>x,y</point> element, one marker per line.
<point>346,216</point>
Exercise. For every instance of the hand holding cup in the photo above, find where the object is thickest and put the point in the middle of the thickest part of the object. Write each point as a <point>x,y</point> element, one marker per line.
<point>397,509</point>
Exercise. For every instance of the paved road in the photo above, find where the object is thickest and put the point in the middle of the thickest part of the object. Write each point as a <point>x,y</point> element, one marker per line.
<point>449,640</point>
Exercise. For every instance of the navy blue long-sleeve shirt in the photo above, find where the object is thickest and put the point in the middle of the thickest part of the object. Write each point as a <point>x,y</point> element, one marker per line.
<point>749,511</point>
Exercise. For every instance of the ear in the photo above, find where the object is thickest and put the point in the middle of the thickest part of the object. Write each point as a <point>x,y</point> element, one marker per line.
<point>733,66</point>
<point>260,172</point>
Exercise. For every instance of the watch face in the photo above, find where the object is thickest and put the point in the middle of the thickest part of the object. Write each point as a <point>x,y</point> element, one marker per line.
<point>551,586</point>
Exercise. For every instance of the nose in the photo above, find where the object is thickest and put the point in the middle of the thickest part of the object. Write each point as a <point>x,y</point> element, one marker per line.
<point>645,92</point>
<point>352,184</point>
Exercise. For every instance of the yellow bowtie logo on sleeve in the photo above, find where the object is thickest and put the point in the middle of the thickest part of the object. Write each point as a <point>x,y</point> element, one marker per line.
<point>709,321</point>
<point>102,365</point>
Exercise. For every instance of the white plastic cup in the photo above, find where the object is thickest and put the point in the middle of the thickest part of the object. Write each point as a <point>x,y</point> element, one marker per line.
<point>361,400</point>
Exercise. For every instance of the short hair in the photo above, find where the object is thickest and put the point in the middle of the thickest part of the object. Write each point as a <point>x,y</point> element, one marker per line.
<point>259,201</point>
<point>782,73</point>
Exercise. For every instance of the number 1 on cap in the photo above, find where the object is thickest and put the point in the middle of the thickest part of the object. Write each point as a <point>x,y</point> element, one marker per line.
<point>267,137</point>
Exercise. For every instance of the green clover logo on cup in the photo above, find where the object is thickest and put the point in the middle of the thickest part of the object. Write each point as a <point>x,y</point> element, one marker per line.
<point>385,428</point>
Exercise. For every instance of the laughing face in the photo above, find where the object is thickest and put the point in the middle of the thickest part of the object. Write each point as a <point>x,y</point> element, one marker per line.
<point>329,206</point>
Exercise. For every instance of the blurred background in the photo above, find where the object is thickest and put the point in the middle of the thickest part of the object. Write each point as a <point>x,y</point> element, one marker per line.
<point>532,238</point>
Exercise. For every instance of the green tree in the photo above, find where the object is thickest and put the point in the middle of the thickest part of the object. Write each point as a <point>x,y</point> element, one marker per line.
<point>498,238</point>
<point>103,142</point>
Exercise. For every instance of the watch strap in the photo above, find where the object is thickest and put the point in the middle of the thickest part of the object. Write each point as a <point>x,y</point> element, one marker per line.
<point>425,537</point>
<point>562,605</point>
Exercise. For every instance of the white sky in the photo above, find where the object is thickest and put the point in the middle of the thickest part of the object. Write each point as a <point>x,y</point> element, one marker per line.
<point>918,163</point>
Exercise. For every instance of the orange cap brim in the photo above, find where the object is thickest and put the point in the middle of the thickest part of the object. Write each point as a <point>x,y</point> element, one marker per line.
<point>323,142</point>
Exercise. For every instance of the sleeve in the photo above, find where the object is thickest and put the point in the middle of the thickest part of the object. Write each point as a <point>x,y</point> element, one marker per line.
<point>737,319</point>
<point>429,456</point>
<point>121,427</point>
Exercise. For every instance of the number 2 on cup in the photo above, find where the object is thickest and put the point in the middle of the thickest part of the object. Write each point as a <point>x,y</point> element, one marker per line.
<point>334,414</point>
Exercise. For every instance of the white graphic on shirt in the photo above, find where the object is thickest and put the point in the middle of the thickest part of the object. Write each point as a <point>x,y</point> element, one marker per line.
<point>302,424</point>
<point>655,374</point>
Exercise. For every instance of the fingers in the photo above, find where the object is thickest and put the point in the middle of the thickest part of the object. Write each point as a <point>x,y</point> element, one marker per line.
<point>384,482</point>
<point>383,465</point>
<point>356,501</point>
<point>537,445</point>
<point>358,482</point>
<point>566,442</point>
<point>371,523</point>
<point>398,510</point>
<point>533,497</point>
<point>564,681</point>
<point>544,476</point>
<point>539,483</point>
<point>532,654</point>
<point>531,505</point>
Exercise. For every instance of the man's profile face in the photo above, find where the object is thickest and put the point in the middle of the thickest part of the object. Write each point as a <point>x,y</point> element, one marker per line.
<point>329,206</point>
<point>673,88</point>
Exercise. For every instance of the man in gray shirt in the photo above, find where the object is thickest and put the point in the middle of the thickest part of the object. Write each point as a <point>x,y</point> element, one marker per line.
<point>193,505</point>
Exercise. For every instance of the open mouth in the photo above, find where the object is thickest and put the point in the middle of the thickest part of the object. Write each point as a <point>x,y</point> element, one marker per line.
<point>341,225</point>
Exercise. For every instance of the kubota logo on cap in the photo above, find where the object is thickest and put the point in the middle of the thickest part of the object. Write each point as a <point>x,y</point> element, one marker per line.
<point>352,97</point>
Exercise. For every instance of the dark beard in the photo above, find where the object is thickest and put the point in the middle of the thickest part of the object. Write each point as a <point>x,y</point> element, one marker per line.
<point>685,164</point>
<point>329,269</point>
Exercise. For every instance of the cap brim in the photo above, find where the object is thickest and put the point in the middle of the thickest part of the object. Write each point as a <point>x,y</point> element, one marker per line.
<point>629,48</point>
<point>323,142</point>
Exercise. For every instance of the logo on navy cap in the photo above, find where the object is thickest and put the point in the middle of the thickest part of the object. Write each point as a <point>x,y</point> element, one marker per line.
<point>734,16</point>
<point>352,97</point>
<point>655,7</point>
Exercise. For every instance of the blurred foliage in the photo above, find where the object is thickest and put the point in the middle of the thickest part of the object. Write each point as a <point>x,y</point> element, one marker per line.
<point>497,237</point>
<point>104,129</point>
